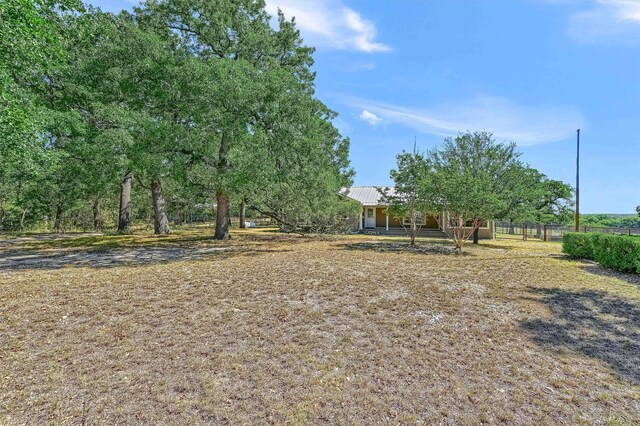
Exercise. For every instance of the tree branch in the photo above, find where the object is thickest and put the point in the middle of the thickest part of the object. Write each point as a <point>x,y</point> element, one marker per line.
<point>275,217</point>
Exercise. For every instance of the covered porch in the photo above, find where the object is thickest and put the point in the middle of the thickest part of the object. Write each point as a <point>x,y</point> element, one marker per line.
<point>378,218</point>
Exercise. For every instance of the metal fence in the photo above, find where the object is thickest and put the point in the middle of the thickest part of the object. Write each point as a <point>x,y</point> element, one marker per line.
<point>552,232</point>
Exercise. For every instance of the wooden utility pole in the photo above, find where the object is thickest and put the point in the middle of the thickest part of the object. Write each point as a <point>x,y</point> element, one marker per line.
<point>578,183</point>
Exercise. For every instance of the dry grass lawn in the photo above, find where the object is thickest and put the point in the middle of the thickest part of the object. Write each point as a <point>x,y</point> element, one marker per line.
<point>281,329</point>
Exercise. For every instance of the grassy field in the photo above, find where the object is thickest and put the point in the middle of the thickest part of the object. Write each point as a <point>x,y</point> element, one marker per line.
<point>271,328</point>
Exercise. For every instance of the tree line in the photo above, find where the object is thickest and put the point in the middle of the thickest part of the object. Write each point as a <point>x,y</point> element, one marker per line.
<point>183,105</point>
<point>179,103</point>
<point>610,221</point>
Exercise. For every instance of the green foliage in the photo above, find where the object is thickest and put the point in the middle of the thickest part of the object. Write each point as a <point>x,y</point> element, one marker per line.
<point>619,252</point>
<point>329,217</point>
<point>471,175</point>
<point>532,197</point>
<point>256,133</point>
<point>30,49</point>
<point>610,221</point>
<point>212,101</point>
<point>578,245</point>
<point>472,180</point>
<point>413,194</point>
<point>550,201</point>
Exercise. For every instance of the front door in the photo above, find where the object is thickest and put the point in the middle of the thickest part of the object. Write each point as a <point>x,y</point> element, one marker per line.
<point>370,217</point>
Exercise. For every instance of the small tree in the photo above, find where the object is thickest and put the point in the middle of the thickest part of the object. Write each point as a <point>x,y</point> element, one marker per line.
<point>413,195</point>
<point>470,179</point>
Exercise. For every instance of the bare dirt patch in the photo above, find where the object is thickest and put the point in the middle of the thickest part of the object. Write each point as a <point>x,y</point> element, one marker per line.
<point>335,330</point>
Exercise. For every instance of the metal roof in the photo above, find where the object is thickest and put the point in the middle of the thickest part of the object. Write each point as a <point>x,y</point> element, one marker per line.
<point>368,195</point>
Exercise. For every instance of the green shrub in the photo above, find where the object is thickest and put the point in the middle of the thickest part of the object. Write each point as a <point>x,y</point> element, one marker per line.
<point>617,252</point>
<point>577,245</point>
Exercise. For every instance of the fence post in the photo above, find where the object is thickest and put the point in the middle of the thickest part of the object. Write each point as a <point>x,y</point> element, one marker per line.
<point>545,232</point>
<point>629,231</point>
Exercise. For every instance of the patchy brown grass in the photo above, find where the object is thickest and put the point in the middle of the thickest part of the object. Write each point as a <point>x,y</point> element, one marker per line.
<point>282,329</point>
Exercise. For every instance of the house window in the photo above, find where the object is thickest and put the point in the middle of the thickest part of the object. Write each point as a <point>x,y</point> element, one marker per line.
<point>369,213</point>
<point>421,219</point>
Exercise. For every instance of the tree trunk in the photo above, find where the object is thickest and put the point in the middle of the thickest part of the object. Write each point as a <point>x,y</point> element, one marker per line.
<point>160,222</point>
<point>459,242</point>
<point>243,215</point>
<point>98,221</point>
<point>475,235</point>
<point>282,220</point>
<point>57,226</point>
<point>413,232</point>
<point>24,214</point>
<point>222,198</point>
<point>458,236</point>
<point>124,217</point>
<point>222,216</point>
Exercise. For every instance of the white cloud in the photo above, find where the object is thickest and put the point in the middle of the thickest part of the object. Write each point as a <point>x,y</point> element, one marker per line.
<point>370,117</point>
<point>329,23</point>
<point>613,21</point>
<point>624,10</point>
<point>508,121</point>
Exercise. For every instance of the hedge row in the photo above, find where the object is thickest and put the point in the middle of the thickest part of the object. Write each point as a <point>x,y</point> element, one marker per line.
<point>619,252</point>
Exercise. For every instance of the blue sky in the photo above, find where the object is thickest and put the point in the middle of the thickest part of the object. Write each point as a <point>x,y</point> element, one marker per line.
<point>530,71</point>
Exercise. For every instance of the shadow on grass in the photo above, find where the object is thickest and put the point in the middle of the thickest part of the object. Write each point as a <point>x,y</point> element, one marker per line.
<point>594,268</point>
<point>97,242</point>
<point>522,244</point>
<point>503,247</point>
<point>105,251</point>
<point>593,323</point>
<point>116,257</point>
<point>393,247</point>
<point>7,241</point>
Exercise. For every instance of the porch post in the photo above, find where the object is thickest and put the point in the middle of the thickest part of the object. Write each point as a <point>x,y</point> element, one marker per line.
<point>387,227</point>
<point>361,219</point>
